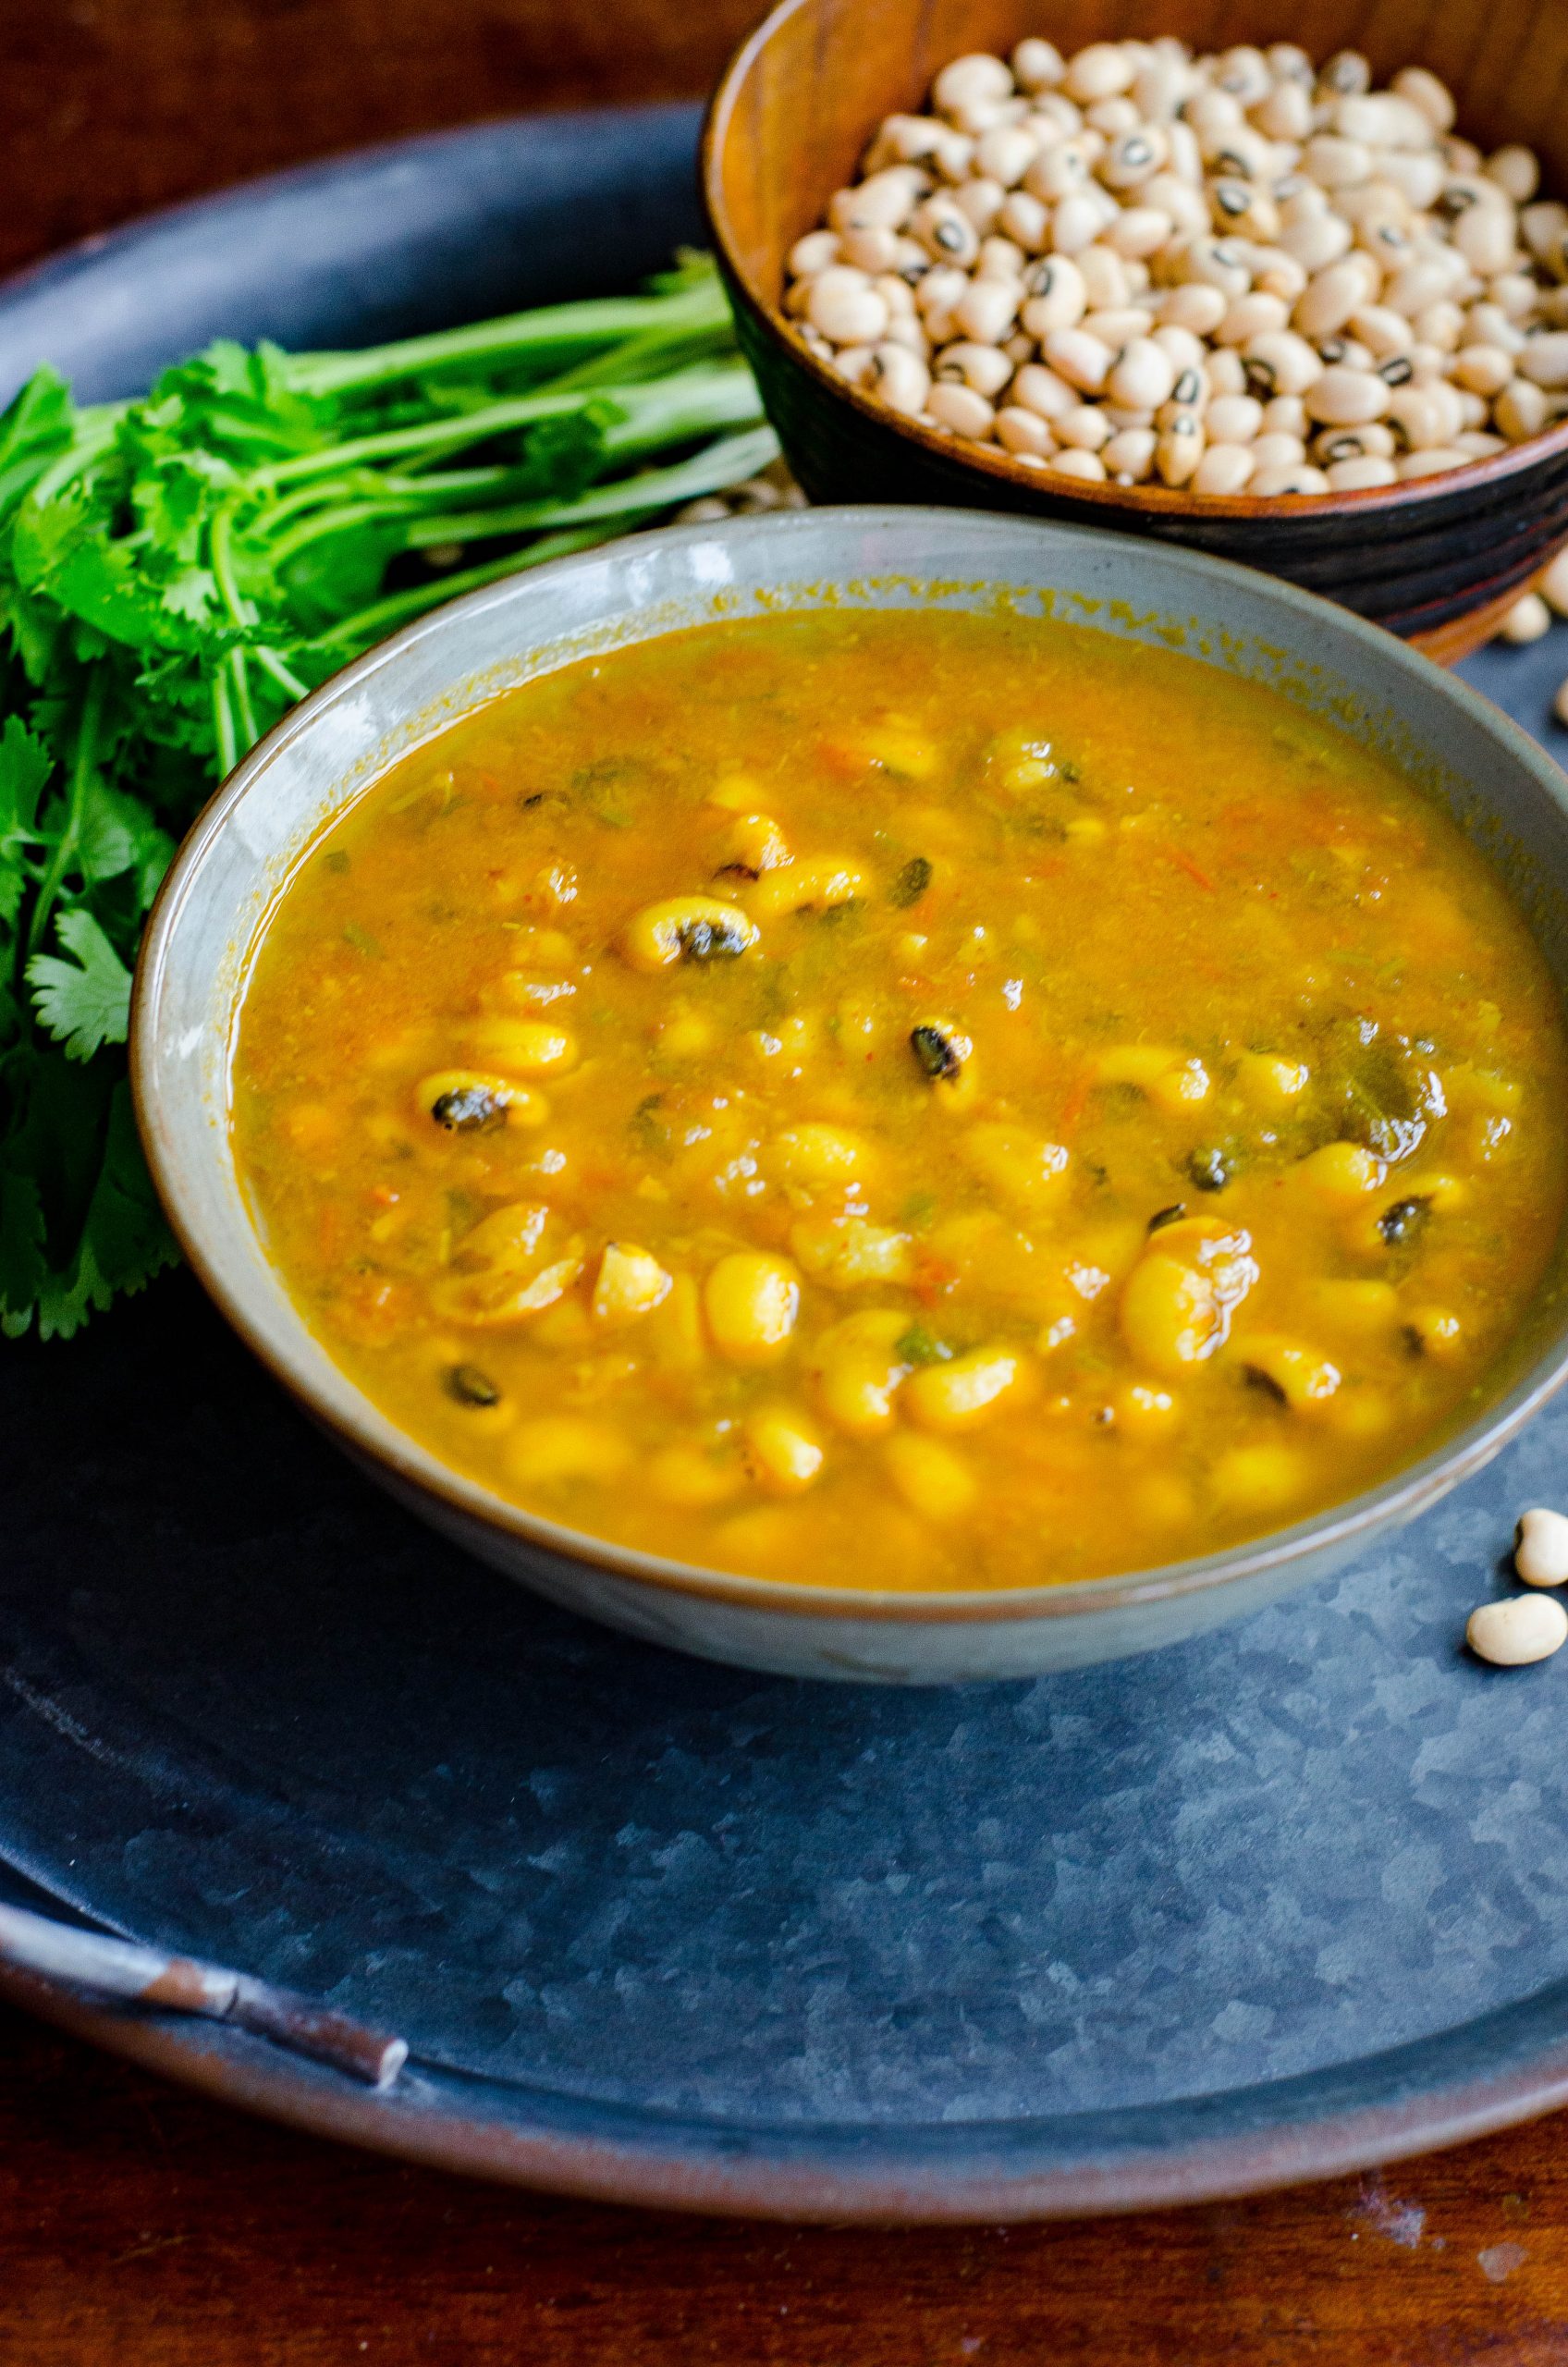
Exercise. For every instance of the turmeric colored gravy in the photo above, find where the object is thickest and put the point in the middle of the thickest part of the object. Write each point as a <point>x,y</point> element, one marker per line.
<point>906,1100</point>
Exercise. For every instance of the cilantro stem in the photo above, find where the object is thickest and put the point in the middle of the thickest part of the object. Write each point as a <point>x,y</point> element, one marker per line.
<point>283,676</point>
<point>553,327</point>
<point>82,756</point>
<point>723,463</point>
<point>223,727</point>
<point>372,624</point>
<point>243,709</point>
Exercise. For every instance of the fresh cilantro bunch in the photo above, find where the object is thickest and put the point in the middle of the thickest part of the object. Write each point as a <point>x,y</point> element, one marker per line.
<point>176,571</point>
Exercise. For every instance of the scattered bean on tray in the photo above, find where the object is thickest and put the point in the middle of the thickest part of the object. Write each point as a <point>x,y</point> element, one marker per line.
<point>1524,1627</point>
<point>1232,274</point>
<point>1541,1554</point>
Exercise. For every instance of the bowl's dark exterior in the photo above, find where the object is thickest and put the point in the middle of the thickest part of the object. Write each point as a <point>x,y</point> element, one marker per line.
<point>1435,564</point>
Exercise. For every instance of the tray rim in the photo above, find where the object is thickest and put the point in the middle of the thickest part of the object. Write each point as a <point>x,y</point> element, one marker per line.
<point>428,2121</point>
<point>419,2123</point>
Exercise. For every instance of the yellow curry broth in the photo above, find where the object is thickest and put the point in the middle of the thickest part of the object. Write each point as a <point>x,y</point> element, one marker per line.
<point>907,1100</point>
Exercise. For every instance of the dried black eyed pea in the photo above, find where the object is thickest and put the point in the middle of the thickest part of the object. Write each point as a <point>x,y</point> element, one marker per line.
<point>472,1387</point>
<point>911,882</point>
<point>1173,1215</point>
<point>1403,1220</point>
<point>939,1049</point>
<point>469,1110</point>
<point>1209,1168</point>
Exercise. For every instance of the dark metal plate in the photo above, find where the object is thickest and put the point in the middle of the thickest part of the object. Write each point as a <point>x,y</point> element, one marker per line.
<point>1271,1904</point>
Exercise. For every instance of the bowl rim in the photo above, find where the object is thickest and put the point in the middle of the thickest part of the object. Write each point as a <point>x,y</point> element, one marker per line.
<point>1146,500</point>
<point>364,1431</point>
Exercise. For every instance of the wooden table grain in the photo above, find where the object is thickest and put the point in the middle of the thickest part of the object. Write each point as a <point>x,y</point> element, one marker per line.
<point>143,2227</point>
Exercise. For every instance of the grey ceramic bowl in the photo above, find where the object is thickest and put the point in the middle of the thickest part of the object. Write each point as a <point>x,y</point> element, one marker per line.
<point>1505,793</point>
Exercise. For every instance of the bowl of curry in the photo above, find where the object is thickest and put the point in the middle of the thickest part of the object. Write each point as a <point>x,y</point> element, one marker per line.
<point>883,1094</point>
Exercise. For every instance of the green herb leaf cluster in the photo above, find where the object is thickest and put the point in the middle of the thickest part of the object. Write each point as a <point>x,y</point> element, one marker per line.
<point>176,571</point>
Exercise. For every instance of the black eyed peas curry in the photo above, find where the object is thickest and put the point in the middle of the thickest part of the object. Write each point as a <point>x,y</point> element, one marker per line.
<point>908,1100</point>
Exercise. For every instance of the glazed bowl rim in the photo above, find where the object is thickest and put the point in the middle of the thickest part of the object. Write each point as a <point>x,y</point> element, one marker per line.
<point>1144,501</point>
<point>161,1086</point>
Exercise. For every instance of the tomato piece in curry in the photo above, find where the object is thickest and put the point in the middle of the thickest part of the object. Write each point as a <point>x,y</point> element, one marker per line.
<point>909,1100</point>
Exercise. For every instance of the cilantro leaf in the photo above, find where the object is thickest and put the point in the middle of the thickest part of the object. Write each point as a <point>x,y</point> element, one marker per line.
<point>85,1003</point>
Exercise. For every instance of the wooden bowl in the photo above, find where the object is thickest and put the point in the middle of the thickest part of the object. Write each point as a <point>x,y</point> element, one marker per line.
<point>1439,561</point>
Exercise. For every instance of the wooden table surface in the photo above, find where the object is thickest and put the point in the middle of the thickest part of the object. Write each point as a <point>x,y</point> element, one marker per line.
<point>142,2228</point>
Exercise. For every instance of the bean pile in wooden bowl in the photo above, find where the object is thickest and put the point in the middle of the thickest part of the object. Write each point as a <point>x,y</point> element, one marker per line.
<point>1231,273</point>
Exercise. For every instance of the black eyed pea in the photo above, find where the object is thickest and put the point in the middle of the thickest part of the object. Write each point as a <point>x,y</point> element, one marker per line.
<point>1079,358</point>
<point>1334,445</point>
<point>1286,415</point>
<point>690,928</point>
<point>1001,258</point>
<point>1521,410</point>
<point>1483,369</point>
<point>1023,433</point>
<point>1513,1633</point>
<point>1224,469</point>
<point>1193,307</point>
<point>1277,452</point>
<point>1544,359</point>
<point>1087,466</point>
<point>980,202</point>
<point>871,250</point>
<point>987,309</point>
<point>1222,264</point>
<point>1103,70</point>
<point>1300,477</point>
<point>1384,332</point>
<point>1560,704</point>
<point>1335,162</point>
<point>1280,363</point>
<point>1434,462</point>
<point>1005,153</point>
<point>961,410</point>
<point>1117,328</point>
<point>1054,297</point>
<point>845,307</point>
<point>1139,232</point>
<point>1317,241</point>
<point>1425,91</point>
<point>1076,222</point>
<point>1084,430</point>
<point>751,1301</point>
<point>1277,274</point>
<point>1527,621</point>
<point>1133,158</point>
<point>1037,65</point>
<point>1252,316</point>
<point>1345,74</point>
<point>1040,390</point>
<point>1516,171</point>
<point>977,77</point>
<point>900,377</point>
<point>885,202</point>
<point>1284,113</point>
<point>1143,375</point>
<point>945,231</point>
<point>1226,372</point>
<point>1331,296</point>
<point>1235,418</point>
<point>1540,1553</point>
<point>814,254</point>
<point>1356,475</point>
<point>1552,584</point>
<point>1025,220</point>
<point>1180,448</point>
<point>463,1101</point>
<point>1346,398</point>
<point>1128,457</point>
